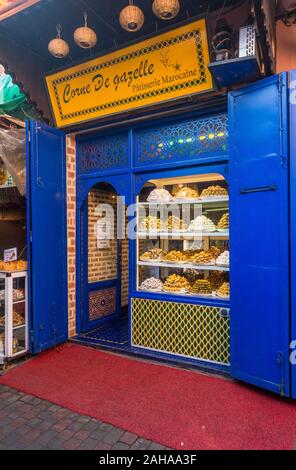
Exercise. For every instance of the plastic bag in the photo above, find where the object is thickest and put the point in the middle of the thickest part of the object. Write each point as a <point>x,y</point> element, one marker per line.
<point>13,155</point>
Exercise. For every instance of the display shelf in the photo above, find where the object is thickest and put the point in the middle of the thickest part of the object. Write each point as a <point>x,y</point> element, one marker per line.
<point>15,302</point>
<point>14,342</point>
<point>187,295</point>
<point>210,201</point>
<point>19,327</point>
<point>182,235</point>
<point>202,267</point>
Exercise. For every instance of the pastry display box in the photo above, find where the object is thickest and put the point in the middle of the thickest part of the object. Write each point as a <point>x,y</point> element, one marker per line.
<point>13,315</point>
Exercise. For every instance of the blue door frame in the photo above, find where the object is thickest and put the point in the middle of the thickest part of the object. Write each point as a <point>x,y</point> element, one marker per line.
<point>84,288</point>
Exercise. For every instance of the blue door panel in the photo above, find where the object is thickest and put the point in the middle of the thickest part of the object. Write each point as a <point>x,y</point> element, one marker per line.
<point>47,234</point>
<point>259,235</point>
<point>292,137</point>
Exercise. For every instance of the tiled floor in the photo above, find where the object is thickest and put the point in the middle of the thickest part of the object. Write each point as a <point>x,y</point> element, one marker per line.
<point>30,423</point>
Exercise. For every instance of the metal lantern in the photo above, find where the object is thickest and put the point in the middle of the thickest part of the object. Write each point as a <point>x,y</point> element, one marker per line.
<point>131,18</point>
<point>84,36</point>
<point>166,9</point>
<point>58,47</point>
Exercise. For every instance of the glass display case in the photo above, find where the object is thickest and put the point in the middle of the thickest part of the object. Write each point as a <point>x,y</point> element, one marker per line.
<point>183,237</point>
<point>13,315</point>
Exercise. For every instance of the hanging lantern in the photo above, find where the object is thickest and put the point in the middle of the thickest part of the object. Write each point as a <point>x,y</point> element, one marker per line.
<point>58,47</point>
<point>84,36</point>
<point>166,9</point>
<point>131,18</point>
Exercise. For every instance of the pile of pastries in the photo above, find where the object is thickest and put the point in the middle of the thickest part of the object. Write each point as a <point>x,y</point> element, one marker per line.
<point>152,222</point>
<point>214,191</point>
<point>223,259</point>
<point>215,255</point>
<point>175,256</point>
<point>224,290</point>
<point>202,287</point>
<point>176,283</point>
<point>217,278</point>
<point>203,257</point>
<point>174,223</point>
<point>18,294</point>
<point>202,224</point>
<point>160,195</point>
<point>9,266</point>
<point>223,223</point>
<point>186,193</point>
<point>152,283</point>
<point>156,254</point>
<point>18,320</point>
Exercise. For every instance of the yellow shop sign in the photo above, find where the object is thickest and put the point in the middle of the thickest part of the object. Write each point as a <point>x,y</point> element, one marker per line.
<point>166,67</point>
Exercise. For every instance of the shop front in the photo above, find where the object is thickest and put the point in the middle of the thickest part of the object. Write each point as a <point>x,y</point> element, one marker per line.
<point>195,190</point>
<point>201,211</point>
<point>211,251</point>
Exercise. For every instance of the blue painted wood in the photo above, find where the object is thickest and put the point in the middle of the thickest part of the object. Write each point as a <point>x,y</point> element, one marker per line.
<point>292,136</point>
<point>46,196</point>
<point>259,235</point>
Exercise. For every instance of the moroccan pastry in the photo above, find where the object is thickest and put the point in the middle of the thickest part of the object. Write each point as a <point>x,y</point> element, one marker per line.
<point>174,223</point>
<point>202,224</point>
<point>175,256</point>
<point>223,259</point>
<point>3,175</point>
<point>18,320</point>
<point>202,287</point>
<point>152,284</point>
<point>216,251</point>
<point>156,254</point>
<point>14,266</point>
<point>176,283</point>
<point>160,195</point>
<point>214,191</point>
<point>223,223</point>
<point>217,279</point>
<point>186,193</point>
<point>190,253</point>
<point>224,290</point>
<point>152,223</point>
<point>18,294</point>
<point>204,257</point>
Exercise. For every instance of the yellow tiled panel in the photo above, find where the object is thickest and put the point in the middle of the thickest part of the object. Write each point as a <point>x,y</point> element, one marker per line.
<point>190,330</point>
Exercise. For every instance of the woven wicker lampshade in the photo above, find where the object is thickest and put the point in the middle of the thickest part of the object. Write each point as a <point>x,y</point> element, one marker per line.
<point>131,18</point>
<point>166,9</point>
<point>58,47</point>
<point>84,36</point>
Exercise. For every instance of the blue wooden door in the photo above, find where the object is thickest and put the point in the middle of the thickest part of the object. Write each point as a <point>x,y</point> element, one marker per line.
<point>259,235</point>
<point>292,95</point>
<point>46,196</point>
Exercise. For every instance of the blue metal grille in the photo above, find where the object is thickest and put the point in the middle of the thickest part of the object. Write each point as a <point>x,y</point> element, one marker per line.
<point>183,142</point>
<point>103,153</point>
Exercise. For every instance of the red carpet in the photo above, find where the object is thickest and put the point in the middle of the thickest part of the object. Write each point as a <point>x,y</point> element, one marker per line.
<point>180,409</point>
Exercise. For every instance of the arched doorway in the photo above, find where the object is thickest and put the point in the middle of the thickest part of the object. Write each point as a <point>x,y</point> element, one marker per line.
<point>104,279</point>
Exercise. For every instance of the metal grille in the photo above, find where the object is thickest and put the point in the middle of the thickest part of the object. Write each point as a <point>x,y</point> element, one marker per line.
<point>185,141</point>
<point>102,303</point>
<point>104,153</point>
<point>189,330</point>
